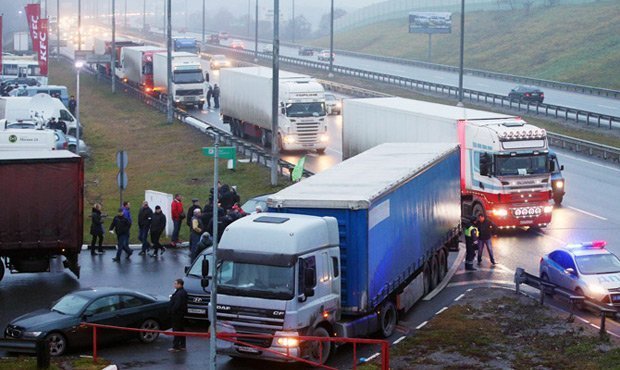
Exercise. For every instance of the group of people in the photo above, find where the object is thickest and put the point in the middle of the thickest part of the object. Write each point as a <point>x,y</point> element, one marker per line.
<point>213,92</point>
<point>478,232</point>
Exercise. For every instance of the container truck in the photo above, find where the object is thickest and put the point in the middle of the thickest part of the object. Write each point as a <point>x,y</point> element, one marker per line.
<point>341,253</point>
<point>246,105</point>
<point>188,80</point>
<point>505,165</point>
<point>137,66</point>
<point>187,44</point>
<point>41,214</point>
<point>20,41</point>
<point>103,47</point>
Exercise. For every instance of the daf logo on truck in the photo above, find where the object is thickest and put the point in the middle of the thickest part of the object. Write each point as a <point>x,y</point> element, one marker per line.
<point>223,308</point>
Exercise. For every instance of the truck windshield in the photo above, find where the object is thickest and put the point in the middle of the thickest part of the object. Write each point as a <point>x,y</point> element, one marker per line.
<point>315,109</point>
<point>188,77</point>
<point>253,280</point>
<point>521,165</point>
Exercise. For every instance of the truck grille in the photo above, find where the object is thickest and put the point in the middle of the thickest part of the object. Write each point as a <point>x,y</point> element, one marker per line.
<point>248,320</point>
<point>308,132</point>
<point>259,342</point>
<point>189,92</point>
<point>13,331</point>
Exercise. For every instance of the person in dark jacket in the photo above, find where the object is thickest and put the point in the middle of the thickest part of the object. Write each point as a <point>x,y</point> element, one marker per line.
<point>144,224</point>
<point>190,213</point>
<point>209,96</point>
<point>227,198</point>
<point>196,231</point>
<point>485,230</point>
<point>471,243</point>
<point>178,309</point>
<point>216,96</point>
<point>72,105</point>
<point>96,229</point>
<point>205,242</point>
<point>120,225</point>
<point>158,225</point>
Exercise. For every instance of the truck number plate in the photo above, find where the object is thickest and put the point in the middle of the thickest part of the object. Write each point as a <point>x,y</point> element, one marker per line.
<point>247,350</point>
<point>197,310</point>
<point>526,222</point>
<point>190,98</point>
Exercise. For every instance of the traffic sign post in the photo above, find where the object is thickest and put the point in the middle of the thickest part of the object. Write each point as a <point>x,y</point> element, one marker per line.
<point>225,152</point>
<point>121,178</point>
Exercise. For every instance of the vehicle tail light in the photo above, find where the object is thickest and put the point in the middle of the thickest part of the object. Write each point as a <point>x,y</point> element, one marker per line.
<point>542,95</point>
<point>65,145</point>
<point>527,94</point>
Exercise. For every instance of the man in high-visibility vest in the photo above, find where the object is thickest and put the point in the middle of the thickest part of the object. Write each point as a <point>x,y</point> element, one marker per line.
<point>471,245</point>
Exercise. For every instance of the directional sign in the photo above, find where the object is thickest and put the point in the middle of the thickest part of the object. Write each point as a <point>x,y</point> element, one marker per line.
<point>121,159</point>
<point>121,180</point>
<point>225,152</point>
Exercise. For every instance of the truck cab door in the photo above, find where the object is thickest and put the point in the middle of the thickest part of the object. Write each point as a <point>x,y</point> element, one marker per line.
<point>320,301</point>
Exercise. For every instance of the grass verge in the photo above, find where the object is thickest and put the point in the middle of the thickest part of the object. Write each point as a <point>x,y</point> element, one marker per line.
<point>162,157</point>
<point>62,363</point>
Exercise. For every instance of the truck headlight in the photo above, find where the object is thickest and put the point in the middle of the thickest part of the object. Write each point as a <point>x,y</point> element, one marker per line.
<point>287,339</point>
<point>559,184</point>
<point>548,209</point>
<point>289,139</point>
<point>324,138</point>
<point>500,212</point>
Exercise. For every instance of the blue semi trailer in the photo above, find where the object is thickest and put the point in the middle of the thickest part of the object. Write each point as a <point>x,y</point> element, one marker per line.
<point>342,253</point>
<point>188,44</point>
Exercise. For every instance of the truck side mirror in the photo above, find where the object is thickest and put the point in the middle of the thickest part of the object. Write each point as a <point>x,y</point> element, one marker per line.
<point>485,164</point>
<point>187,269</point>
<point>561,167</point>
<point>283,110</point>
<point>205,267</point>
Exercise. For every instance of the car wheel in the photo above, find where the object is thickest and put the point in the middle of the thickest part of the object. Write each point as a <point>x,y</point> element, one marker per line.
<point>320,351</point>
<point>57,343</point>
<point>149,336</point>
<point>545,278</point>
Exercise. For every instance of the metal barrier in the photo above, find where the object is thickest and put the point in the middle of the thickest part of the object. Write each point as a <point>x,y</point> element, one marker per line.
<point>37,347</point>
<point>547,288</point>
<point>287,356</point>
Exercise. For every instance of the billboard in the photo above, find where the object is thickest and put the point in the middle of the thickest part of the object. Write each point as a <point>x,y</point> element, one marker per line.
<point>430,22</point>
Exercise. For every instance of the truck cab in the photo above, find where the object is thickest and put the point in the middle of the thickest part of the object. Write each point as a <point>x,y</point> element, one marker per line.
<point>558,182</point>
<point>278,274</point>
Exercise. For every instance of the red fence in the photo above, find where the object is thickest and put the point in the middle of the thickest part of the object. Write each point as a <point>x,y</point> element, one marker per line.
<point>238,339</point>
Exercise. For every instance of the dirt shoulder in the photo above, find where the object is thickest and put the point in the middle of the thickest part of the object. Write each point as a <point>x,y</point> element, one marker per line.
<point>492,328</point>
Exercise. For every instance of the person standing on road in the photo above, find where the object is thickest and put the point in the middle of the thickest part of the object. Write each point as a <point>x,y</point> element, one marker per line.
<point>471,244</point>
<point>209,95</point>
<point>144,223</point>
<point>72,105</point>
<point>216,96</point>
<point>196,232</point>
<point>178,309</point>
<point>177,216</point>
<point>190,213</point>
<point>120,225</point>
<point>158,225</point>
<point>207,76</point>
<point>485,230</point>
<point>96,229</point>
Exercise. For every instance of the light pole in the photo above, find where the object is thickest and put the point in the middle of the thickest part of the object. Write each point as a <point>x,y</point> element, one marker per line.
<point>460,103</point>
<point>169,51</point>
<point>78,67</point>
<point>204,12</point>
<point>58,28</point>
<point>213,299</point>
<point>256,33</point>
<point>331,41</point>
<point>113,51</point>
<point>144,16</point>
<point>275,93</point>
<point>293,19</point>
<point>79,24</point>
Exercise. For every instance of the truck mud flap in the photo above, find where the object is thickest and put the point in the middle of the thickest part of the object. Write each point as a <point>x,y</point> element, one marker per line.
<point>72,264</point>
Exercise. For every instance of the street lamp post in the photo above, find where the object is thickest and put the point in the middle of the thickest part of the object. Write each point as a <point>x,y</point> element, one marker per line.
<point>79,24</point>
<point>256,33</point>
<point>213,296</point>
<point>275,93</point>
<point>113,51</point>
<point>460,103</point>
<point>78,67</point>
<point>58,28</point>
<point>169,55</point>
<point>331,41</point>
<point>204,12</point>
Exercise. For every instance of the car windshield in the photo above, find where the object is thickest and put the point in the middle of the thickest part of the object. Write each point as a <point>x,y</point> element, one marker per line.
<point>521,165</point>
<point>70,304</point>
<point>305,109</point>
<point>598,264</point>
<point>188,77</point>
<point>330,97</point>
<point>256,280</point>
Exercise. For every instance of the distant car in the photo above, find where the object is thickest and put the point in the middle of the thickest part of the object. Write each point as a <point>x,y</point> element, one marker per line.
<point>588,269</point>
<point>223,35</point>
<point>237,44</point>
<point>213,39</point>
<point>72,146</point>
<point>250,205</point>
<point>219,61</point>
<point>333,104</point>
<point>558,183</point>
<point>306,51</point>
<point>526,94</point>
<point>60,324</point>
<point>324,55</point>
<point>268,49</point>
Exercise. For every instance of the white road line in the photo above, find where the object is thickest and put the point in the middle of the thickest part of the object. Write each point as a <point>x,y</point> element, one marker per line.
<point>594,326</point>
<point>614,334</point>
<point>440,311</point>
<point>469,290</point>
<point>590,162</point>
<point>373,357</point>
<point>582,319</point>
<point>459,297</point>
<point>399,340</point>
<point>607,106</point>
<point>587,213</point>
<point>421,325</point>
<point>485,282</point>
<point>455,266</point>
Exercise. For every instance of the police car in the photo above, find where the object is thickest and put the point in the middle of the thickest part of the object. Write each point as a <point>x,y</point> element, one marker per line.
<point>587,269</point>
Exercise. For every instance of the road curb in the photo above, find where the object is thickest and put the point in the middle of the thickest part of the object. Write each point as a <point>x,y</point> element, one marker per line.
<point>455,266</point>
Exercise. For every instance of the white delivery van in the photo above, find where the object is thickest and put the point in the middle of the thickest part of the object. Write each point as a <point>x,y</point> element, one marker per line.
<point>27,139</point>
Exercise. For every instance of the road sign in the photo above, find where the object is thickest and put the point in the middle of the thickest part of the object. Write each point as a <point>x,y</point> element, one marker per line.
<point>121,159</point>
<point>224,152</point>
<point>121,180</point>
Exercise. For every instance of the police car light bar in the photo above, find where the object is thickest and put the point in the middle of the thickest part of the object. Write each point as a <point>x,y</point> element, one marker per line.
<point>599,244</point>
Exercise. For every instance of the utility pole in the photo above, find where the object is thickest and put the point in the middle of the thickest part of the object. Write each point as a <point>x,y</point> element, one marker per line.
<point>58,28</point>
<point>79,24</point>
<point>293,18</point>
<point>256,33</point>
<point>331,41</point>
<point>204,12</point>
<point>113,51</point>
<point>249,17</point>
<point>125,19</point>
<point>143,15</point>
<point>169,50</point>
<point>275,104</point>
<point>460,103</point>
<point>213,300</point>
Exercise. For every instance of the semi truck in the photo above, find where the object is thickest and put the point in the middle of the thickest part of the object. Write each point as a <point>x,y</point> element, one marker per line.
<point>505,164</point>
<point>136,66</point>
<point>246,100</point>
<point>41,215</point>
<point>188,80</point>
<point>340,254</point>
<point>103,47</point>
<point>187,44</point>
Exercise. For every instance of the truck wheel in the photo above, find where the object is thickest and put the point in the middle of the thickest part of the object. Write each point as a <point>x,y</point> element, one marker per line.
<point>427,278</point>
<point>478,210</point>
<point>201,105</point>
<point>319,352</point>
<point>388,317</point>
<point>435,279</point>
<point>280,144</point>
<point>443,264</point>
<point>1,269</point>
<point>558,200</point>
<point>321,151</point>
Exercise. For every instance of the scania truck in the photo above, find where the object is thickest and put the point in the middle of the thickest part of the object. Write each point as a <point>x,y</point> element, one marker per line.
<point>246,105</point>
<point>188,81</point>
<point>505,164</point>
<point>340,254</point>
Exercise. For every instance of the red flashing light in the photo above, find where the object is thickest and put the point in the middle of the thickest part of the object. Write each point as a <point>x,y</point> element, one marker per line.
<point>598,244</point>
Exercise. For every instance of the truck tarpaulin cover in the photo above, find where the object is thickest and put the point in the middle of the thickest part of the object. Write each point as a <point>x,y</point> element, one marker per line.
<point>41,204</point>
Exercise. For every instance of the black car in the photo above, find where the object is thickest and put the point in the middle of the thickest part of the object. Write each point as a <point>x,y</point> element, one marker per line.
<point>61,324</point>
<point>304,50</point>
<point>526,94</point>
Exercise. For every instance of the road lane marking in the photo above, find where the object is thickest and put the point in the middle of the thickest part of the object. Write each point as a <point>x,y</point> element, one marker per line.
<point>421,325</point>
<point>590,162</point>
<point>594,326</point>
<point>607,106</point>
<point>587,213</point>
<point>373,357</point>
<point>469,290</point>
<point>487,282</point>
<point>442,310</point>
<point>582,319</point>
<point>459,297</point>
<point>399,340</point>
<point>614,334</point>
